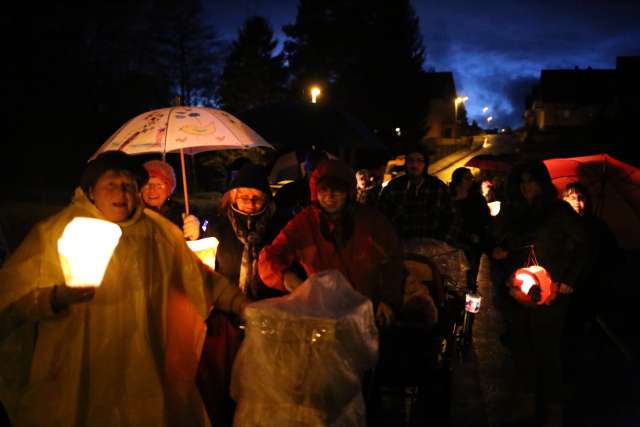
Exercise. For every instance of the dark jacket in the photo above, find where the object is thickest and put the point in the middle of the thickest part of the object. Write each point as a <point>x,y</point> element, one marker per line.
<point>558,238</point>
<point>229,253</point>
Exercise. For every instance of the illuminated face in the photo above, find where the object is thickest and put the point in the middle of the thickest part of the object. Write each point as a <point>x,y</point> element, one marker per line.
<point>114,194</point>
<point>361,179</point>
<point>332,200</point>
<point>249,200</point>
<point>529,188</point>
<point>576,201</point>
<point>155,192</point>
<point>415,164</point>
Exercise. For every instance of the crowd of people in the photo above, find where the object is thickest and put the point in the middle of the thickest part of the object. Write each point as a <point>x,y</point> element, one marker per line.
<point>131,351</point>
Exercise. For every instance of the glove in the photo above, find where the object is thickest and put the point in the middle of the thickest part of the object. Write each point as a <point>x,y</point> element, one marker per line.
<point>62,296</point>
<point>291,281</point>
<point>191,227</point>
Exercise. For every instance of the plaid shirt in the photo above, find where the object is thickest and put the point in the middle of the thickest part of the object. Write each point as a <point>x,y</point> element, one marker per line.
<point>424,211</point>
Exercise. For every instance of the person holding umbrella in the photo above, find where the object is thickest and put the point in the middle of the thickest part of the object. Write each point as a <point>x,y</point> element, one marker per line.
<point>156,193</point>
<point>123,353</point>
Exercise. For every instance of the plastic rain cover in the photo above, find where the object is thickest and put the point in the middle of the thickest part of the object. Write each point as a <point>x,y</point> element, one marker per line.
<point>303,356</point>
<point>451,261</point>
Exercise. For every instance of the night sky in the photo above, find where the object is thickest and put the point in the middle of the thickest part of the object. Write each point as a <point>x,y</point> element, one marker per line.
<point>495,48</point>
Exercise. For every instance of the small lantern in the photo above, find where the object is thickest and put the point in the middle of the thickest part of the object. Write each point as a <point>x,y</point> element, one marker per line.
<point>85,248</point>
<point>472,302</point>
<point>494,207</point>
<point>533,285</point>
<point>205,249</point>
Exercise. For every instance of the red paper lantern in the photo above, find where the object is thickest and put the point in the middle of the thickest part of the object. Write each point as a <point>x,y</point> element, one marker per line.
<point>533,286</point>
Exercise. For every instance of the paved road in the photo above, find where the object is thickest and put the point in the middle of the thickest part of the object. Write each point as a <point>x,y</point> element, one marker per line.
<point>604,391</point>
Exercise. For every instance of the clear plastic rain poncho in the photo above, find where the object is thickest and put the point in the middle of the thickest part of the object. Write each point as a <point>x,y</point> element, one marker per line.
<point>129,356</point>
<point>303,357</point>
<point>451,261</point>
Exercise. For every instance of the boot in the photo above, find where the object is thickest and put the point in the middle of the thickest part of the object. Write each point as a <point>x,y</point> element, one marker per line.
<point>554,415</point>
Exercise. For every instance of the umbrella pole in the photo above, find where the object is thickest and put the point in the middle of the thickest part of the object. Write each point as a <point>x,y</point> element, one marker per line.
<point>184,182</point>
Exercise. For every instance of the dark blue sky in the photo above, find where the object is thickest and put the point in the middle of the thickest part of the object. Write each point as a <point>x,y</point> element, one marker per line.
<point>495,48</point>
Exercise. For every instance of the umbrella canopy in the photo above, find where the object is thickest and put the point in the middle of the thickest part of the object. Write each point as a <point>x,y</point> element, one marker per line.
<point>193,129</point>
<point>295,125</point>
<point>614,188</point>
<point>495,162</point>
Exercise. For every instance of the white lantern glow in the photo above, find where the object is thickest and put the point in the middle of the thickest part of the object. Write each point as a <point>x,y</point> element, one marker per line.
<point>494,207</point>
<point>85,248</point>
<point>472,302</point>
<point>205,249</point>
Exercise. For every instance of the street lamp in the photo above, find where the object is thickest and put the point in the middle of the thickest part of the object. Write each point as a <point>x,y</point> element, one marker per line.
<point>485,110</point>
<point>315,92</point>
<point>459,100</point>
<point>489,119</point>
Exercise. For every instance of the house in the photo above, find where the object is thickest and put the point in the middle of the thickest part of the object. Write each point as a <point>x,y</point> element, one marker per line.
<point>583,97</point>
<point>444,120</point>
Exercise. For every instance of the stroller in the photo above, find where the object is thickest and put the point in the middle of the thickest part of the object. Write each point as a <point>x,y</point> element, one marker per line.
<point>411,382</point>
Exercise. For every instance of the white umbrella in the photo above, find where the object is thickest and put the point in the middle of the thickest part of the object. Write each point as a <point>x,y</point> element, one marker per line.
<point>182,129</point>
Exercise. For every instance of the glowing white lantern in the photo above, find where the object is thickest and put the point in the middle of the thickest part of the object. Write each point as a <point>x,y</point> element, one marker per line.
<point>494,207</point>
<point>205,249</point>
<point>85,248</point>
<point>472,302</point>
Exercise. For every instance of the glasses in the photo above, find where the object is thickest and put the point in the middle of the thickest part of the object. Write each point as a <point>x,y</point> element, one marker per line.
<point>147,187</point>
<point>255,200</point>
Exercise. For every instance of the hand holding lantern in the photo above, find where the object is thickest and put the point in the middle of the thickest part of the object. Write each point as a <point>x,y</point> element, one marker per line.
<point>62,296</point>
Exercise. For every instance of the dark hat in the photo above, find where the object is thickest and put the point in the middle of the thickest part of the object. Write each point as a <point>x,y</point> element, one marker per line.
<point>116,161</point>
<point>252,176</point>
<point>417,147</point>
<point>336,173</point>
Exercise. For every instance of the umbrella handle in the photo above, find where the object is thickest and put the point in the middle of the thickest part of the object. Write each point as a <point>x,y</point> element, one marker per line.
<point>184,183</point>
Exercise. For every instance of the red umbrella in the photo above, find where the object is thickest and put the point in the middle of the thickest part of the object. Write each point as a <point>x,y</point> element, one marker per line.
<point>614,188</point>
<point>491,162</point>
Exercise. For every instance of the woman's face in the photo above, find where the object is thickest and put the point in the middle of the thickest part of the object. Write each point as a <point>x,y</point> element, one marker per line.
<point>155,192</point>
<point>114,194</point>
<point>250,200</point>
<point>576,201</point>
<point>529,188</point>
<point>332,200</point>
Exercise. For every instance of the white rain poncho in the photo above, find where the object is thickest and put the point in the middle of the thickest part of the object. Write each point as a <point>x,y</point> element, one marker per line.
<point>129,356</point>
<point>303,357</point>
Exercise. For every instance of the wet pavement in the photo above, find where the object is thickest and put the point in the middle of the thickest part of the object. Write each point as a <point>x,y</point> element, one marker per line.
<point>602,390</point>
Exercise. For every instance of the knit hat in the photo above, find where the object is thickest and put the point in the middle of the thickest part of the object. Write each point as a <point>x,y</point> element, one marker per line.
<point>111,161</point>
<point>162,170</point>
<point>336,171</point>
<point>251,176</point>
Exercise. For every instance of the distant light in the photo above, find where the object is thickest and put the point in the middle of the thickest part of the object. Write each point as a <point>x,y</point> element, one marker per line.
<point>398,132</point>
<point>489,119</point>
<point>315,92</point>
<point>485,110</point>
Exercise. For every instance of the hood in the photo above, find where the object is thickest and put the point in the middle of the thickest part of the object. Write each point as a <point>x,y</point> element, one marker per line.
<point>332,169</point>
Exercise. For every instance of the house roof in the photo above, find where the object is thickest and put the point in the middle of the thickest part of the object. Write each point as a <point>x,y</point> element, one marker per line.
<point>582,87</point>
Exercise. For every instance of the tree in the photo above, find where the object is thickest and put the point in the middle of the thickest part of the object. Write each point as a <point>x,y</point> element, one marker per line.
<point>252,75</point>
<point>368,54</point>
<point>189,50</point>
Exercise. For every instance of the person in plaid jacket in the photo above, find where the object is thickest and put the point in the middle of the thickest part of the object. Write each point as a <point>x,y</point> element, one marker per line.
<point>419,205</point>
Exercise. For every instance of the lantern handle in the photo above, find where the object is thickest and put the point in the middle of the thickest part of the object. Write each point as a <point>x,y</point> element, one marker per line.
<point>532,259</point>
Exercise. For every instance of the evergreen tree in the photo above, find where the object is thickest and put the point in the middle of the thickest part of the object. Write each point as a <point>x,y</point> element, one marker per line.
<point>189,50</point>
<point>252,75</point>
<point>367,53</point>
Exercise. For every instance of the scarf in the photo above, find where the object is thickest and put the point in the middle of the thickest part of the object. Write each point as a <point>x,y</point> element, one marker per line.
<point>250,230</point>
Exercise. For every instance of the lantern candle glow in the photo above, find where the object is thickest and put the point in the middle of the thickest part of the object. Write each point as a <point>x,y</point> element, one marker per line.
<point>85,248</point>
<point>205,249</point>
<point>534,285</point>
